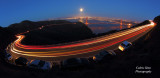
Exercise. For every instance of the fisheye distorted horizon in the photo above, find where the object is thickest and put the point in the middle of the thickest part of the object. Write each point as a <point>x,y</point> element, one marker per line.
<point>15,11</point>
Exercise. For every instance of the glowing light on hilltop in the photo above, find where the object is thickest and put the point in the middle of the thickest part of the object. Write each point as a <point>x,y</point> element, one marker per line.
<point>152,23</point>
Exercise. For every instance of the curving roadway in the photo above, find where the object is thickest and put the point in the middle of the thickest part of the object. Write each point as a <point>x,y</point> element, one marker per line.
<point>83,48</point>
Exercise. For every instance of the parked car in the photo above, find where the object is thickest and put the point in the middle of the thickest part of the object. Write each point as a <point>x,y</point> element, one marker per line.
<point>8,47</point>
<point>74,63</point>
<point>21,61</point>
<point>111,52</point>
<point>8,57</point>
<point>98,57</point>
<point>39,64</point>
<point>124,45</point>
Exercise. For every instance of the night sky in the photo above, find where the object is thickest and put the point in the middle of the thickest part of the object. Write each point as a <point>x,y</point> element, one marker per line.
<point>15,11</point>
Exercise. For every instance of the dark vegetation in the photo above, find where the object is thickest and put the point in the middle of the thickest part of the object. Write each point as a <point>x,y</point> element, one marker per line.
<point>30,25</point>
<point>63,32</point>
<point>145,52</point>
<point>58,34</point>
<point>143,23</point>
<point>6,37</point>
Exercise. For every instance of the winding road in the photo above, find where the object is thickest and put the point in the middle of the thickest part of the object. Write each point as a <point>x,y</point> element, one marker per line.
<point>82,48</point>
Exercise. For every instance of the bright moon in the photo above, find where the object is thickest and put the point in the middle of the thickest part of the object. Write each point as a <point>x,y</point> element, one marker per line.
<point>81,9</point>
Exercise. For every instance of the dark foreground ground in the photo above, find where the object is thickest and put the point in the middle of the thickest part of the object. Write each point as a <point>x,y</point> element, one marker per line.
<point>145,52</point>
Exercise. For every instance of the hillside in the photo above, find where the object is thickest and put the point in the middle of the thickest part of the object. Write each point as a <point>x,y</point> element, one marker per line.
<point>6,37</point>
<point>145,52</point>
<point>30,25</point>
<point>58,34</point>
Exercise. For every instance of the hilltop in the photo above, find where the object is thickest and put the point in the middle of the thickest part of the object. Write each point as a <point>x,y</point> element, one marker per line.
<point>53,34</point>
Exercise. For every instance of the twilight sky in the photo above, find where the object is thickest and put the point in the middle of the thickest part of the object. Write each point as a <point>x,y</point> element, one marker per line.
<point>15,11</point>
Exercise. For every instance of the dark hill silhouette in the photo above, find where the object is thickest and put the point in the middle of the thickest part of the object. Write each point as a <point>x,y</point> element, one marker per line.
<point>55,34</point>
<point>58,34</point>
<point>143,23</point>
<point>0,27</point>
<point>66,32</point>
<point>30,25</point>
<point>6,37</point>
<point>157,19</point>
<point>145,52</point>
